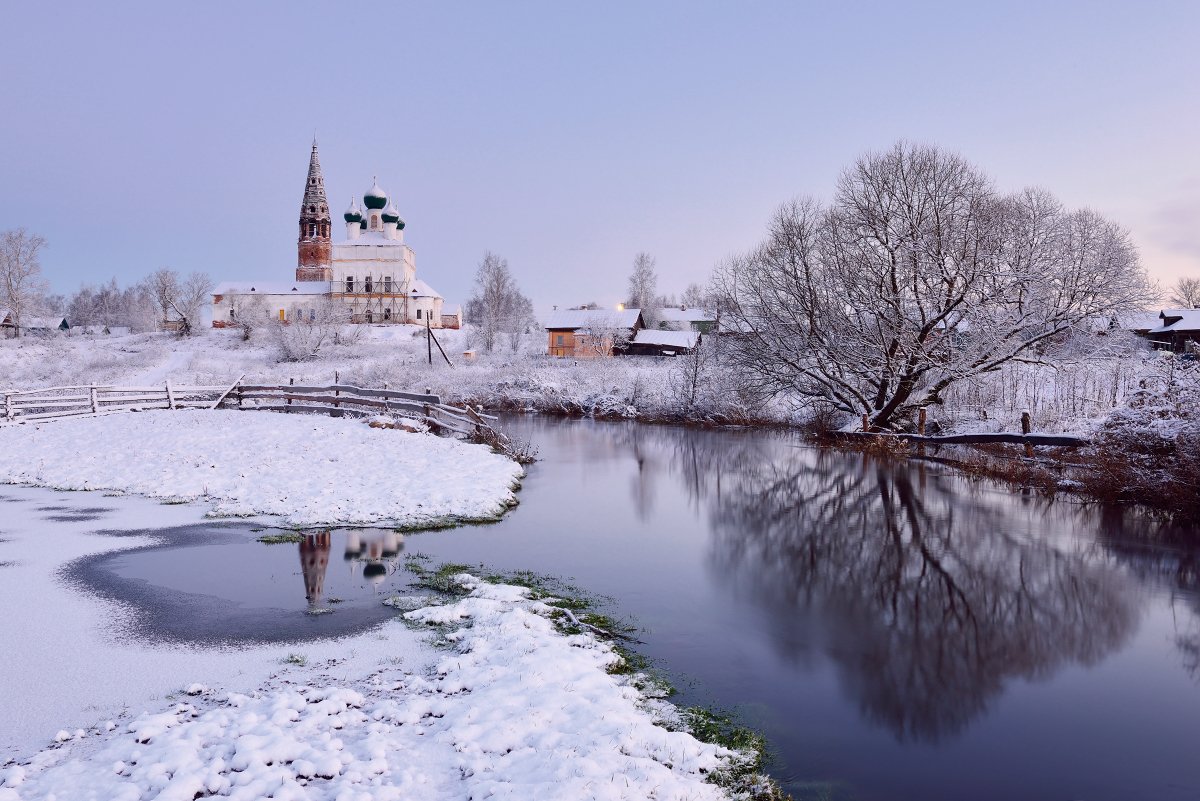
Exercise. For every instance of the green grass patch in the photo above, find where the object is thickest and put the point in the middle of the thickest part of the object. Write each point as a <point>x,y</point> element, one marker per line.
<point>282,538</point>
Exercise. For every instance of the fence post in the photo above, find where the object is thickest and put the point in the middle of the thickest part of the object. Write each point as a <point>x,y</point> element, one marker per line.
<point>94,400</point>
<point>170,396</point>
<point>1026,428</point>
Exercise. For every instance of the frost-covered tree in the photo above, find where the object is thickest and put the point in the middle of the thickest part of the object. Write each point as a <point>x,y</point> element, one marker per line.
<point>919,275</point>
<point>1186,293</point>
<point>21,286</point>
<point>497,306</point>
<point>163,286</point>
<point>306,330</point>
<point>643,287</point>
<point>693,297</point>
<point>180,301</point>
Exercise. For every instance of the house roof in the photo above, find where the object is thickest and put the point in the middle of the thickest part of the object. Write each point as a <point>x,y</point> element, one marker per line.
<point>668,339</point>
<point>43,322</point>
<point>674,314</point>
<point>571,319</point>
<point>1175,320</point>
<point>420,289</point>
<point>272,288</point>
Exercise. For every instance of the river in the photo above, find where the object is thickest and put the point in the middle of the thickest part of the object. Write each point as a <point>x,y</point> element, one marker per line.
<point>896,630</point>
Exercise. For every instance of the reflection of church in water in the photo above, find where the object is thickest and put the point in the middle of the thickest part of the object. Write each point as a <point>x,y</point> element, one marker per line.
<point>376,551</point>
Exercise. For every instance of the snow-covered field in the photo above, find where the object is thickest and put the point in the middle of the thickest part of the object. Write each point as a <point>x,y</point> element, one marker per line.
<point>308,470</point>
<point>502,705</point>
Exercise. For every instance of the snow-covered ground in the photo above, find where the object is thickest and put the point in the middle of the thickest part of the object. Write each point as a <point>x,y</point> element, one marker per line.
<point>308,470</point>
<point>502,705</point>
<point>1072,395</point>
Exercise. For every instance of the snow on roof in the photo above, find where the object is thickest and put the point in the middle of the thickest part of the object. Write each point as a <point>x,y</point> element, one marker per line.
<point>272,288</point>
<point>420,289</point>
<point>674,314</point>
<point>43,322</point>
<point>593,318</point>
<point>1178,320</point>
<point>669,339</point>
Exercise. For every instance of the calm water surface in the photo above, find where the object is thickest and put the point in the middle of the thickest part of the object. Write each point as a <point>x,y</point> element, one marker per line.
<point>897,632</point>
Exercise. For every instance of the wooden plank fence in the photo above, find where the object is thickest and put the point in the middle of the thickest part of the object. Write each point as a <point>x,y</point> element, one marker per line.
<point>33,405</point>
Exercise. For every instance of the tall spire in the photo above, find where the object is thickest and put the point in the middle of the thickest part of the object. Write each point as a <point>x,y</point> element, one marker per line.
<point>314,259</point>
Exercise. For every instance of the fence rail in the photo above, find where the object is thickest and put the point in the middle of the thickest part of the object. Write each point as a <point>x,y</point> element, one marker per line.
<point>342,399</point>
<point>33,405</point>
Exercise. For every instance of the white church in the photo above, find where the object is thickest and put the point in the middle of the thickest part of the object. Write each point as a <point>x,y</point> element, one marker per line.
<point>372,274</point>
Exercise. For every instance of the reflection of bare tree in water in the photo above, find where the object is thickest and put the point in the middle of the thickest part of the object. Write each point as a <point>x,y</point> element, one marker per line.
<point>922,597</point>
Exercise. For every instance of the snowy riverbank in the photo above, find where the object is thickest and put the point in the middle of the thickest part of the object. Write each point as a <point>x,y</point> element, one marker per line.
<point>307,470</point>
<point>479,695</point>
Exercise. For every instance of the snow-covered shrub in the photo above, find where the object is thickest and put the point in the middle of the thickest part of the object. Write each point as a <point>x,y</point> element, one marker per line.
<point>1149,450</point>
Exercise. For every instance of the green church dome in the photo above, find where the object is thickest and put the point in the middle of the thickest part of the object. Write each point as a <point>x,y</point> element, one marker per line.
<point>375,198</point>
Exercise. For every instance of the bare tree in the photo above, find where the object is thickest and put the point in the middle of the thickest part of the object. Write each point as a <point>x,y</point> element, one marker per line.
<point>1186,293</point>
<point>497,305</point>
<point>194,294</point>
<point>164,288</point>
<point>21,284</point>
<point>919,275</point>
<point>643,288</point>
<point>693,297</point>
<point>307,329</point>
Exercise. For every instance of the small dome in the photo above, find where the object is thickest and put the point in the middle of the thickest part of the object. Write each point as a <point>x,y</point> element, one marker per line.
<point>353,214</point>
<point>390,215</point>
<point>375,198</point>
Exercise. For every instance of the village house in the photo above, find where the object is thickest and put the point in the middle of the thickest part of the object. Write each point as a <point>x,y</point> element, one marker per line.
<point>1179,331</point>
<point>683,318</point>
<point>371,276</point>
<point>591,333</point>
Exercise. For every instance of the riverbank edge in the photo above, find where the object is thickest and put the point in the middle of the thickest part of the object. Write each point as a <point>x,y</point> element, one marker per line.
<point>580,614</point>
<point>1059,470</point>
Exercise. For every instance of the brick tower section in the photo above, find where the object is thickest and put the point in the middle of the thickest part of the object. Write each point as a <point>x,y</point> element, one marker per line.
<point>315,251</point>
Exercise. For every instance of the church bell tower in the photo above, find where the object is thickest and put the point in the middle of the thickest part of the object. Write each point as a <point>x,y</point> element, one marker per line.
<point>315,258</point>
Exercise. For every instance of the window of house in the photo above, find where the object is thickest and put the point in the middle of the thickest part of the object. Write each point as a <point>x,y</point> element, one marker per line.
<point>349,283</point>
<point>367,283</point>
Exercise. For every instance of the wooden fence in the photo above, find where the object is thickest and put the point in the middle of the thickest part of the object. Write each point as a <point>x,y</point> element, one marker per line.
<point>337,400</point>
<point>342,399</point>
<point>94,399</point>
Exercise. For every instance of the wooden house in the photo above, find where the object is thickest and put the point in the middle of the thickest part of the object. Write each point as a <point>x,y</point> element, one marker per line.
<point>657,342</point>
<point>591,333</point>
<point>1179,331</point>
